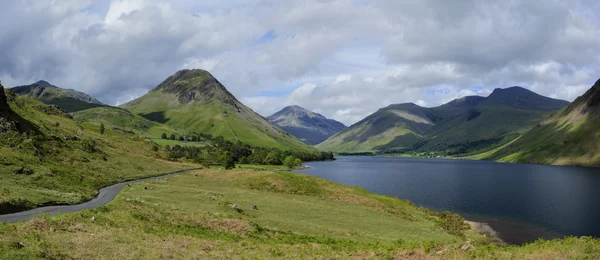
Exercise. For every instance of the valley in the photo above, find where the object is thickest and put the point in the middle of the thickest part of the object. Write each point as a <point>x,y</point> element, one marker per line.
<point>53,158</point>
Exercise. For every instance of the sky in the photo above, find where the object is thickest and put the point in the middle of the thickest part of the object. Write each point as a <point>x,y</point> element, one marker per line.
<point>343,59</point>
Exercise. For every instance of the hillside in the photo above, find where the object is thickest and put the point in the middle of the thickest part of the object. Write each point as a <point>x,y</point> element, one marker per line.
<point>193,100</point>
<point>48,158</point>
<point>501,117</point>
<point>5,112</point>
<point>570,136</point>
<point>396,127</point>
<point>119,119</point>
<point>67,99</point>
<point>462,126</point>
<point>311,128</point>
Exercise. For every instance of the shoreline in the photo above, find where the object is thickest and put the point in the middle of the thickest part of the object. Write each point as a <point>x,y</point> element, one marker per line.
<point>486,230</point>
<point>481,160</point>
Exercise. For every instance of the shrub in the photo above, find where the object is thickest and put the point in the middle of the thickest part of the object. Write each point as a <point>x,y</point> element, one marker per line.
<point>227,161</point>
<point>453,223</point>
<point>297,162</point>
<point>289,161</point>
<point>89,145</point>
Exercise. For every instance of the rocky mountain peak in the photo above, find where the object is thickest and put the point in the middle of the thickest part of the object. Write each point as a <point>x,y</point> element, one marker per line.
<point>43,83</point>
<point>196,85</point>
<point>308,126</point>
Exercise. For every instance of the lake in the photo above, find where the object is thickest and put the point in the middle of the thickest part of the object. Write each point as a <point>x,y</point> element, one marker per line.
<point>522,202</point>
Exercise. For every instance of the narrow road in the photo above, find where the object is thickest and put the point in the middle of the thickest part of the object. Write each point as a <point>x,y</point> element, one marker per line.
<point>105,196</point>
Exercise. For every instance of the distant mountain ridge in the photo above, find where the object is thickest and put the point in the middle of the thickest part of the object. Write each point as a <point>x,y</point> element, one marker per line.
<point>310,127</point>
<point>464,125</point>
<point>521,98</point>
<point>68,99</point>
<point>194,100</point>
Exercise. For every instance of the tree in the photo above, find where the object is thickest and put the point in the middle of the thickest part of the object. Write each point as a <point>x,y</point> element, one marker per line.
<point>163,136</point>
<point>172,137</point>
<point>181,138</point>
<point>227,161</point>
<point>102,128</point>
<point>243,160</point>
<point>297,163</point>
<point>289,162</point>
<point>273,158</point>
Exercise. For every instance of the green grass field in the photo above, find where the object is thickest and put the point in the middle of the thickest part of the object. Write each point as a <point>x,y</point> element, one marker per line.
<point>297,217</point>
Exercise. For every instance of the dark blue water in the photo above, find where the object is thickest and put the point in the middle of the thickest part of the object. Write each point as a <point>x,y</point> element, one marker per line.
<point>522,202</point>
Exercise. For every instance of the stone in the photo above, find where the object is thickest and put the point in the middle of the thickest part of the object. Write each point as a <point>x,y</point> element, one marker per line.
<point>21,245</point>
<point>467,246</point>
<point>254,207</point>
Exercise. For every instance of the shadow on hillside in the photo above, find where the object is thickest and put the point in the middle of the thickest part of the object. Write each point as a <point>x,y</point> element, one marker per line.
<point>156,117</point>
<point>71,105</point>
<point>544,144</point>
<point>23,125</point>
<point>20,123</point>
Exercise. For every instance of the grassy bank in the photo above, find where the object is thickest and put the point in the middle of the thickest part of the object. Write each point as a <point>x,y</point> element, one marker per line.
<point>209,214</point>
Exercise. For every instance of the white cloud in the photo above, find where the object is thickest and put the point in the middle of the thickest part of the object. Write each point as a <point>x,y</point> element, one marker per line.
<point>344,59</point>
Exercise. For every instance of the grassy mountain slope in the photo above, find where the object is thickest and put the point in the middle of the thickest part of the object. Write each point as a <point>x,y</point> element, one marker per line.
<point>496,120</point>
<point>396,126</point>
<point>312,128</point>
<point>69,162</point>
<point>67,99</point>
<point>193,100</point>
<point>570,136</point>
<point>119,119</point>
<point>463,126</point>
<point>399,126</point>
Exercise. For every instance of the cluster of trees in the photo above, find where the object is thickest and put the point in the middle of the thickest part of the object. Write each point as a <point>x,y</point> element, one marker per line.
<point>226,153</point>
<point>192,137</point>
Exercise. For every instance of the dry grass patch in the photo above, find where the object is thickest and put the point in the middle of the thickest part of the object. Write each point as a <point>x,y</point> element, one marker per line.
<point>234,226</point>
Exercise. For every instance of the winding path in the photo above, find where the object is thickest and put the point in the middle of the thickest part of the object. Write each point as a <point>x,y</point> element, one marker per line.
<point>105,195</point>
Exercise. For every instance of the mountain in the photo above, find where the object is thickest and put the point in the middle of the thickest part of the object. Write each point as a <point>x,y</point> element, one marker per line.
<point>498,119</point>
<point>67,99</point>
<point>396,126</point>
<point>193,100</point>
<point>521,98</point>
<point>567,137</point>
<point>311,128</point>
<point>462,126</point>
